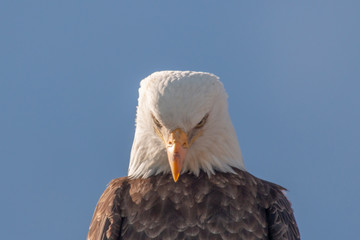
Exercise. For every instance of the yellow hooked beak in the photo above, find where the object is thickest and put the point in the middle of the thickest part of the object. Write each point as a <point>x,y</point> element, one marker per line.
<point>177,146</point>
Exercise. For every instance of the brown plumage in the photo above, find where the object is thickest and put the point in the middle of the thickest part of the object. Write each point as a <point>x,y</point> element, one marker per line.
<point>222,206</point>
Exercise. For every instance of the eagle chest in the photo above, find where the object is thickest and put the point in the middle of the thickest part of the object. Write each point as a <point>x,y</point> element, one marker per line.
<point>190,209</point>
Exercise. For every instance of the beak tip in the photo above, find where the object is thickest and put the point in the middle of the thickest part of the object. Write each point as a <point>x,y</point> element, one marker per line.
<point>176,177</point>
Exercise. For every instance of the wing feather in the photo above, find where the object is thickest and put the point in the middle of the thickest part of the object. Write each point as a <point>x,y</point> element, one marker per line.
<point>106,221</point>
<point>280,218</point>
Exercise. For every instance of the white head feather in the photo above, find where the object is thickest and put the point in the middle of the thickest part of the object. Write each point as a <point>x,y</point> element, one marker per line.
<point>180,99</point>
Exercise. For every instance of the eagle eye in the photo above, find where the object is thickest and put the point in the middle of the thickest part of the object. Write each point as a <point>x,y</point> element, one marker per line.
<point>202,122</point>
<point>157,123</point>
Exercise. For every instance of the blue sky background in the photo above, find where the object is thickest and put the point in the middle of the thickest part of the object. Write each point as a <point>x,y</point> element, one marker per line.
<point>69,75</point>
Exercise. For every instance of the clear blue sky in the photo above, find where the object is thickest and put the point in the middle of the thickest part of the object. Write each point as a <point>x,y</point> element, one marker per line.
<point>69,75</point>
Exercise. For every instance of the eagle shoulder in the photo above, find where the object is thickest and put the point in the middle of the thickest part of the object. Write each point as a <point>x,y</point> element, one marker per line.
<point>279,213</point>
<point>106,221</point>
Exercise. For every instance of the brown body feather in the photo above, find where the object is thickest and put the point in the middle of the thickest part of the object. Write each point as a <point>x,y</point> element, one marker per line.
<point>223,206</point>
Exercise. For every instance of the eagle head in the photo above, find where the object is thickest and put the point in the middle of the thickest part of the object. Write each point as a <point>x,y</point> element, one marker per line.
<point>183,125</point>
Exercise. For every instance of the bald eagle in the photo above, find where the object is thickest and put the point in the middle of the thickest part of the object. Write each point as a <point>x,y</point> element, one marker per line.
<point>186,177</point>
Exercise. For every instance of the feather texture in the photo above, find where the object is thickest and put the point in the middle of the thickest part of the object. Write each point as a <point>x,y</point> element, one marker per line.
<point>222,206</point>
